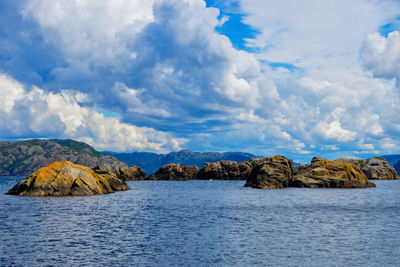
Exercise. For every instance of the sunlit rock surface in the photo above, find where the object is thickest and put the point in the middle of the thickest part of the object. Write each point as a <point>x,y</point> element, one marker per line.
<point>376,168</point>
<point>64,178</point>
<point>321,173</point>
<point>270,173</point>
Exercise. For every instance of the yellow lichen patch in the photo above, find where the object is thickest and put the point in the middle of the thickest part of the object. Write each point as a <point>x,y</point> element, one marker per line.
<point>327,173</point>
<point>351,172</point>
<point>66,178</point>
<point>43,175</point>
<point>339,170</point>
<point>277,158</point>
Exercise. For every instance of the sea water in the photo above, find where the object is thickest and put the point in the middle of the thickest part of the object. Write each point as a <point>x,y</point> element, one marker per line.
<point>203,223</point>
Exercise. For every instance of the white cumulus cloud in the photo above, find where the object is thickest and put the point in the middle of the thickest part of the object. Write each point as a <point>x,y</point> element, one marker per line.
<point>163,65</point>
<point>35,112</point>
<point>382,55</point>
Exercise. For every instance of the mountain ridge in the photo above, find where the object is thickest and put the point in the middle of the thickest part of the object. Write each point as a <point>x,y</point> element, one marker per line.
<point>24,157</point>
<point>394,160</point>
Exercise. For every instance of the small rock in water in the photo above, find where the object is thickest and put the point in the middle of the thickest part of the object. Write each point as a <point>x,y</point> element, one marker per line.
<point>175,172</point>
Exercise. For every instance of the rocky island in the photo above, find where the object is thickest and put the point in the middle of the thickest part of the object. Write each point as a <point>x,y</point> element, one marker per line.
<point>131,173</point>
<point>225,170</point>
<point>279,172</point>
<point>322,173</point>
<point>151,162</point>
<point>64,179</point>
<point>175,172</point>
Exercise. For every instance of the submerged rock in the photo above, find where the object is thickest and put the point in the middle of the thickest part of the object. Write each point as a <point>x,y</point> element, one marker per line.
<point>64,178</point>
<point>270,173</point>
<point>376,168</point>
<point>225,170</point>
<point>131,173</point>
<point>175,172</point>
<point>321,173</point>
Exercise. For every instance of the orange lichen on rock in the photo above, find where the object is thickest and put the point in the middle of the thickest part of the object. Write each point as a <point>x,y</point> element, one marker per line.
<point>65,178</point>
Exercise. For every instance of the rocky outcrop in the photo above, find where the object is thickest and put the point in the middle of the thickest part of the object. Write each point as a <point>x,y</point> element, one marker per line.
<point>225,170</point>
<point>376,168</point>
<point>321,173</point>
<point>151,162</point>
<point>175,172</point>
<point>25,157</point>
<point>360,163</point>
<point>131,173</point>
<point>65,178</point>
<point>270,173</point>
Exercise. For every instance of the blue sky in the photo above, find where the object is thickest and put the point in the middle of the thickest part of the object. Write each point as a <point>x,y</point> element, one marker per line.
<point>266,77</point>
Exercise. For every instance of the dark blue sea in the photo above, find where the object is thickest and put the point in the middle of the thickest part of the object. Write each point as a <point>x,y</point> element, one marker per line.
<point>203,223</point>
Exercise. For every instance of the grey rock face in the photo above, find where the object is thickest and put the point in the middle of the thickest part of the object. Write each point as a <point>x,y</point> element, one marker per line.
<point>376,168</point>
<point>225,170</point>
<point>175,172</point>
<point>25,157</point>
<point>271,173</point>
<point>131,173</point>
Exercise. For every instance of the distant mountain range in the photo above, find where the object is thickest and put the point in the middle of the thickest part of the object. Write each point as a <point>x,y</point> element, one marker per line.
<point>151,162</point>
<point>25,157</point>
<point>394,160</point>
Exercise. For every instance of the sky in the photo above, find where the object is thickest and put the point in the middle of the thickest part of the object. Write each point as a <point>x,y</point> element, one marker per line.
<point>296,78</point>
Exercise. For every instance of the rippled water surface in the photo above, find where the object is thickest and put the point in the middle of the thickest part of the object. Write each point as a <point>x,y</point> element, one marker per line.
<point>206,223</point>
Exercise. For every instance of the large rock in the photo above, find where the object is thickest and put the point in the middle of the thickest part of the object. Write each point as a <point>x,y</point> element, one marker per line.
<point>270,173</point>
<point>175,172</point>
<point>321,173</point>
<point>131,173</point>
<point>376,168</point>
<point>65,178</point>
<point>225,170</point>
